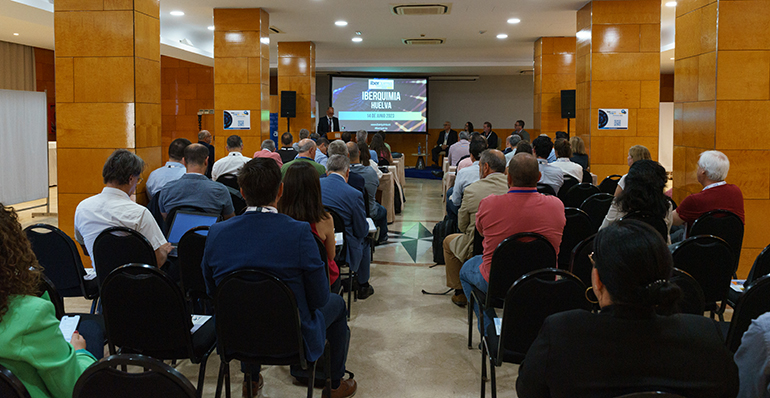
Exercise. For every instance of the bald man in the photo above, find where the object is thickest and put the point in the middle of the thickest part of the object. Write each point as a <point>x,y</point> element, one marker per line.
<point>307,149</point>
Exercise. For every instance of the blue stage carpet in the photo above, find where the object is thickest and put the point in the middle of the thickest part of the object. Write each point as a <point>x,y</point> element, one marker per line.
<point>425,174</point>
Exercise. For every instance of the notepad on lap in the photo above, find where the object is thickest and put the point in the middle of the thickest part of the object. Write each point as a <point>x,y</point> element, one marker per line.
<point>737,285</point>
<point>68,325</point>
<point>198,321</point>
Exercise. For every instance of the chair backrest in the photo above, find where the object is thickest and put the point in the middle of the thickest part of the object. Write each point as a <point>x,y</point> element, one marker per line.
<point>709,260</point>
<point>580,265</point>
<point>657,223</point>
<point>478,243</point>
<point>231,180</point>
<point>11,386</point>
<point>145,313</point>
<point>597,206</point>
<point>190,251</point>
<point>569,182</point>
<point>761,266</point>
<point>116,246</point>
<point>545,189</point>
<point>46,286</point>
<point>693,301</point>
<point>577,228</point>
<point>724,224</point>
<point>672,202</point>
<point>610,183</point>
<point>257,320</point>
<point>587,177</point>
<point>514,257</point>
<point>156,379</point>
<point>754,302</point>
<point>59,256</point>
<point>575,196</point>
<point>651,394</point>
<point>239,203</point>
<point>530,300</point>
<point>339,226</point>
<point>366,202</point>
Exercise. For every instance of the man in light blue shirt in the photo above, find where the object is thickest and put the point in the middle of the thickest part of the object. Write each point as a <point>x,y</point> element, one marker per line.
<point>320,153</point>
<point>172,170</point>
<point>753,359</point>
<point>465,177</point>
<point>549,174</point>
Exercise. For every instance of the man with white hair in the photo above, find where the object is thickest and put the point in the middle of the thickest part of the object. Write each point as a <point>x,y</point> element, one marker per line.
<point>234,160</point>
<point>459,149</point>
<point>716,194</point>
<point>307,149</point>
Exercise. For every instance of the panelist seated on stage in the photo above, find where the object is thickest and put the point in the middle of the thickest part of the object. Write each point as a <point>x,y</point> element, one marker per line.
<point>446,138</point>
<point>172,170</point>
<point>328,123</point>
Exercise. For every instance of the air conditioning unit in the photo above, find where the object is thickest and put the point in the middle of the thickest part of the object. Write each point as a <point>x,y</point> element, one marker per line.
<point>273,29</point>
<point>421,9</point>
<point>422,41</point>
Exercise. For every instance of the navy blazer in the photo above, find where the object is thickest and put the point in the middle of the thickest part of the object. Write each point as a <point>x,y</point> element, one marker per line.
<point>277,244</point>
<point>349,204</point>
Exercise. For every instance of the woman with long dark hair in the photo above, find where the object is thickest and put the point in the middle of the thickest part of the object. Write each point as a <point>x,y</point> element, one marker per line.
<point>384,157</point>
<point>628,347</point>
<point>301,201</point>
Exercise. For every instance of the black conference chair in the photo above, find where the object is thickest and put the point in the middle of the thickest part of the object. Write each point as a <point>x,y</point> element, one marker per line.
<point>724,224</point>
<point>569,182</point>
<point>513,258</point>
<point>575,196</point>
<point>610,183</point>
<point>709,260</point>
<point>155,379</point>
<point>239,202</point>
<point>587,177</point>
<point>577,228</point>
<point>657,223</point>
<point>545,189</point>
<point>672,202</point>
<point>530,300</point>
<point>693,301</point>
<point>324,257</point>
<point>117,246</point>
<point>651,394</point>
<point>190,251</point>
<point>257,322</point>
<point>580,265</point>
<point>145,313</point>
<point>761,267</point>
<point>339,226</point>
<point>59,256</point>
<point>231,180</point>
<point>478,243</point>
<point>597,206</point>
<point>11,386</point>
<point>754,302</point>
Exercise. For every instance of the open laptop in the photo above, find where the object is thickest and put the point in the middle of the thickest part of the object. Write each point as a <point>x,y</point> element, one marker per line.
<point>185,221</point>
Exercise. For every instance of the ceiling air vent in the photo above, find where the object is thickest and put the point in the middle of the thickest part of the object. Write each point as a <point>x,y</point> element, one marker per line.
<point>421,9</point>
<point>273,29</point>
<point>422,41</point>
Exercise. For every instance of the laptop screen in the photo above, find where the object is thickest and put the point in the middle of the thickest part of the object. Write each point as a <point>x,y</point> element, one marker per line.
<point>185,221</point>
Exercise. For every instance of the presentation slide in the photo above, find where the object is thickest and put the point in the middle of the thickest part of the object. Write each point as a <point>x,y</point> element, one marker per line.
<point>373,104</point>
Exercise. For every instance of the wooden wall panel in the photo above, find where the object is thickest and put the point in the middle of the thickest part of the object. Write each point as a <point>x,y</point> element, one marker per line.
<point>555,65</point>
<point>296,72</point>
<point>45,72</point>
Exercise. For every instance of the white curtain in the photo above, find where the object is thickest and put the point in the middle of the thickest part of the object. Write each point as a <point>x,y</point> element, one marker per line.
<point>17,67</point>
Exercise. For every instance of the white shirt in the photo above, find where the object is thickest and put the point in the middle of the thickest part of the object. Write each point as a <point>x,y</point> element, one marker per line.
<point>376,168</point>
<point>229,164</point>
<point>569,168</point>
<point>113,208</point>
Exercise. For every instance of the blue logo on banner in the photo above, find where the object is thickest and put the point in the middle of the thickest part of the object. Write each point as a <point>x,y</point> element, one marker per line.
<point>274,128</point>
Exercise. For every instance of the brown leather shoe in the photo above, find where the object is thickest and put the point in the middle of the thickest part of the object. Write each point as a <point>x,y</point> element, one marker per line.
<point>256,387</point>
<point>346,389</point>
<point>460,300</point>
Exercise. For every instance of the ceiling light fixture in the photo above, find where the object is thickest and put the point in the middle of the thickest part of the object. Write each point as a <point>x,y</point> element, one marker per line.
<point>341,23</point>
<point>211,27</point>
<point>502,36</point>
<point>671,4</point>
<point>15,34</point>
<point>177,13</point>
<point>673,59</point>
<point>514,20</point>
<point>357,39</point>
<point>264,40</point>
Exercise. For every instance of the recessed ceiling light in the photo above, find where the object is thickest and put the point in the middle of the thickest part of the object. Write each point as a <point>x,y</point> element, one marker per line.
<point>341,23</point>
<point>15,34</point>
<point>502,36</point>
<point>514,20</point>
<point>211,27</point>
<point>671,4</point>
<point>177,13</point>
<point>264,40</point>
<point>357,39</point>
<point>673,59</point>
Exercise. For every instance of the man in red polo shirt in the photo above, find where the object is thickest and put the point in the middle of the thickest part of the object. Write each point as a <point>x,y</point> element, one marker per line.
<point>522,209</point>
<point>716,193</point>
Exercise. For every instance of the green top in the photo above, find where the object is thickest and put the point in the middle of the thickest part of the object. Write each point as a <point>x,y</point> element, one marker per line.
<point>33,349</point>
<point>320,168</point>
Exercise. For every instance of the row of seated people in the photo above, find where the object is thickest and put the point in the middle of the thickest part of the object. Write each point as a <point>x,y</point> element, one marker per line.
<point>455,145</point>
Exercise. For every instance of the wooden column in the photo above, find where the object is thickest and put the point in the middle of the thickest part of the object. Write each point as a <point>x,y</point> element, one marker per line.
<point>241,74</point>
<point>722,102</point>
<point>618,67</point>
<point>107,93</point>
<point>554,71</point>
<point>296,72</point>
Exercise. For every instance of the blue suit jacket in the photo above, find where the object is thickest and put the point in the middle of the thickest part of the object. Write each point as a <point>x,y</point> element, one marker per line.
<point>277,244</point>
<point>349,204</point>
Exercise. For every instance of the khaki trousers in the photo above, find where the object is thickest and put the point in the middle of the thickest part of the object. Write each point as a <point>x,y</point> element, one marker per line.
<point>453,264</point>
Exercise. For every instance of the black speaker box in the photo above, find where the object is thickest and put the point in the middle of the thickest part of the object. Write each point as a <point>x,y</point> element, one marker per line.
<point>567,104</point>
<point>289,104</point>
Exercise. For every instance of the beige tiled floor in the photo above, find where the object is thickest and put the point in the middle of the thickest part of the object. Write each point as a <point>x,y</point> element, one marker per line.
<point>403,343</point>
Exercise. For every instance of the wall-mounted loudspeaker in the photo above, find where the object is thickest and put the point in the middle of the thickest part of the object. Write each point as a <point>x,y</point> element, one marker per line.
<point>567,104</point>
<point>289,104</point>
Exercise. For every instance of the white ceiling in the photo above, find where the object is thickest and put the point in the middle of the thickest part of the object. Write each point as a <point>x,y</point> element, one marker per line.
<point>470,29</point>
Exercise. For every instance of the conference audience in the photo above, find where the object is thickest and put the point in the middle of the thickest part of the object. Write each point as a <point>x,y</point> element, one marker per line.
<point>307,150</point>
<point>363,136</point>
<point>338,147</point>
<point>446,138</point>
<point>268,151</point>
<point>579,154</point>
<point>511,147</point>
<point>320,154</point>
<point>346,136</point>
<point>365,158</point>
<point>518,128</point>
<point>303,133</point>
<point>550,174</point>
<point>287,151</point>
<point>465,177</point>
<point>459,247</point>
<point>234,160</point>
<point>635,153</point>
<point>459,148</point>
<point>113,207</point>
<point>377,212</point>
<point>563,154</point>
<point>172,170</point>
<point>753,359</point>
<point>522,209</point>
<point>205,138</point>
<point>382,151</point>
<point>490,135</point>
<point>645,182</point>
<point>194,189</point>
<point>32,346</point>
<point>265,240</point>
<point>627,347</point>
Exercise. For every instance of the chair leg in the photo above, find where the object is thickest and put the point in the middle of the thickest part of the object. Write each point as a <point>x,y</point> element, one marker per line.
<point>492,372</point>
<point>227,380</point>
<point>221,376</point>
<point>470,321</point>
<point>93,305</point>
<point>328,362</point>
<point>249,386</point>
<point>483,369</point>
<point>311,380</point>
<point>202,373</point>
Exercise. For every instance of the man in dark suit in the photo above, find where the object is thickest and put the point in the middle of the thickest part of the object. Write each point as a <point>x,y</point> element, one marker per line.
<point>329,123</point>
<point>445,140</point>
<point>265,240</point>
<point>337,147</point>
<point>348,203</point>
<point>204,138</point>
